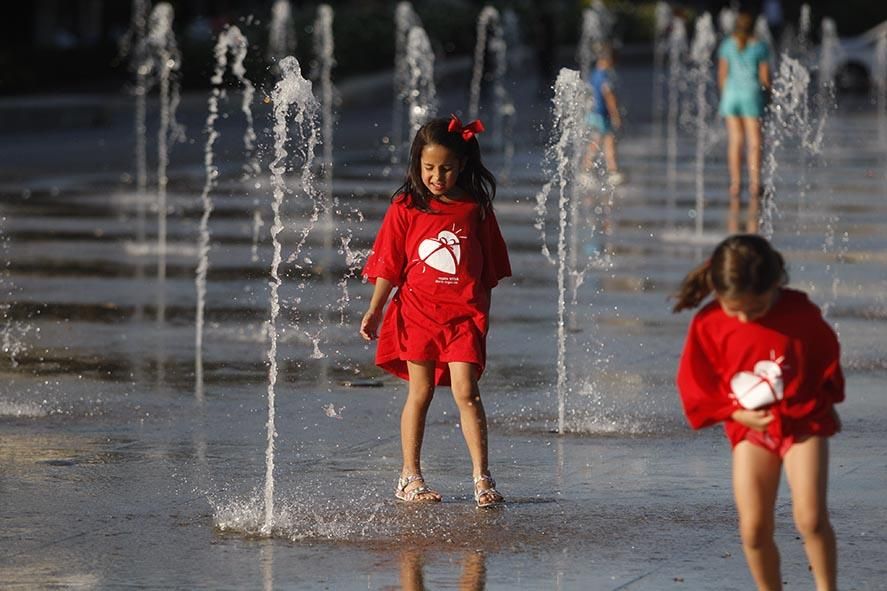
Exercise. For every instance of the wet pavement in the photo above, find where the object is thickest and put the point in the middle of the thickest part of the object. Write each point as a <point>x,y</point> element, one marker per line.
<point>115,473</point>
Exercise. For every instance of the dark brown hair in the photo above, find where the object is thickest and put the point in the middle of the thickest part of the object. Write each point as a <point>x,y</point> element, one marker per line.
<point>744,28</point>
<point>474,178</point>
<point>744,264</point>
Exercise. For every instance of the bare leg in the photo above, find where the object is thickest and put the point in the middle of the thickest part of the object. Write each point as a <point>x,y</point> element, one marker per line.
<point>594,147</point>
<point>412,422</point>
<point>463,377</point>
<point>752,126</point>
<point>755,483</point>
<point>734,166</point>
<point>610,152</point>
<point>806,468</point>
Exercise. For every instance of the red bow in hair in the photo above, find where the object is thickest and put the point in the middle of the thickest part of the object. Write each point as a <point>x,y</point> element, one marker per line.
<point>466,131</point>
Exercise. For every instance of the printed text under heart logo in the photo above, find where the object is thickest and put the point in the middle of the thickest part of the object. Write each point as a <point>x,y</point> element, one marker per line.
<point>441,253</point>
<point>761,387</point>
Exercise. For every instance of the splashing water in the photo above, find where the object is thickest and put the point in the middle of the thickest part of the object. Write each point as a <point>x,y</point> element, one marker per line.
<point>230,41</point>
<point>323,52</point>
<point>568,137</point>
<point>133,45</point>
<point>281,34</point>
<point>292,90</point>
<point>726,21</point>
<point>166,62</point>
<point>490,21</point>
<point>789,119</point>
<point>805,27</point>
<point>405,18</point>
<point>258,224</point>
<point>700,54</point>
<point>879,78</point>
<point>13,333</point>
<point>677,49</point>
<point>422,94</point>
<point>660,47</point>
<point>589,40</point>
<point>829,54</point>
<point>762,33</point>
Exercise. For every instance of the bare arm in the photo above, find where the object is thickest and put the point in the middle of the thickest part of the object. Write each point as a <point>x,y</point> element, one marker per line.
<point>612,107</point>
<point>373,315</point>
<point>723,68</point>
<point>764,75</point>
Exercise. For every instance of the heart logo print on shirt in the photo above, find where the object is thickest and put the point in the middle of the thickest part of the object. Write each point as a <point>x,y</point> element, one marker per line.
<point>763,386</point>
<point>442,253</point>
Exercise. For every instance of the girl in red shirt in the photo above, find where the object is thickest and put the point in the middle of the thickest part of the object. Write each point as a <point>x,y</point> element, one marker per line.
<point>761,359</point>
<point>441,247</point>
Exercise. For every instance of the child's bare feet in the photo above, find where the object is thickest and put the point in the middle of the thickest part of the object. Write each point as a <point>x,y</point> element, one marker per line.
<point>412,488</point>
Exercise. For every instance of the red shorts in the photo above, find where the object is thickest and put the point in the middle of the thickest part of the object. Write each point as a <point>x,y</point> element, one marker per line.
<point>777,445</point>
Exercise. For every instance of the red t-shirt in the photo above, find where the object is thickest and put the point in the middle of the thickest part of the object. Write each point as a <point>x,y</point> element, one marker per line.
<point>791,346</point>
<point>444,264</point>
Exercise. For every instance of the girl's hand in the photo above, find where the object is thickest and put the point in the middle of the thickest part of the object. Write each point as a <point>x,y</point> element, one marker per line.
<point>369,324</point>
<point>753,419</point>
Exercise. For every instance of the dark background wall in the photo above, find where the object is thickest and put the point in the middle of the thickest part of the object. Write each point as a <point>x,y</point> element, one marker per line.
<point>73,45</point>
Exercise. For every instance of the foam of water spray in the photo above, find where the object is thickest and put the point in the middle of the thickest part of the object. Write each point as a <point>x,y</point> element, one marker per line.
<point>704,40</point>
<point>324,62</point>
<point>762,33</point>
<point>232,41</point>
<point>162,46</point>
<point>488,18</point>
<point>281,34</point>
<point>660,49</point>
<point>405,18</point>
<point>789,121</point>
<point>829,53</point>
<point>589,40</point>
<point>805,27</point>
<point>879,78</point>
<point>422,93</point>
<point>13,333</point>
<point>133,45</point>
<point>490,22</point>
<point>677,49</point>
<point>291,91</point>
<point>726,21</point>
<point>258,223</point>
<point>568,135</point>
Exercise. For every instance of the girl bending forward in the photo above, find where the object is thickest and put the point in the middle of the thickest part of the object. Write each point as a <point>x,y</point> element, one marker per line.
<point>761,358</point>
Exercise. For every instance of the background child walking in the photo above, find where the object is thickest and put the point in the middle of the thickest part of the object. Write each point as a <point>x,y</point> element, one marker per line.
<point>604,119</point>
<point>761,358</point>
<point>743,76</point>
<point>441,247</point>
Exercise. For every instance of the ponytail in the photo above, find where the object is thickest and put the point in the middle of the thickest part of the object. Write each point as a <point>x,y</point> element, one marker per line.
<point>694,288</point>
<point>741,264</point>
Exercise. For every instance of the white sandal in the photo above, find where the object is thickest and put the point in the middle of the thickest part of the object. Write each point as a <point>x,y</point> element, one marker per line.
<point>409,496</point>
<point>497,498</point>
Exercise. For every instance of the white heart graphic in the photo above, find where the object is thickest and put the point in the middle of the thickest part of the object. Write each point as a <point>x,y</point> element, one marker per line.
<point>759,388</point>
<point>441,253</point>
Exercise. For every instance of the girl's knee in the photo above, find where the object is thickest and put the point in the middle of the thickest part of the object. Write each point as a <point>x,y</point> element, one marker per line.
<point>756,533</point>
<point>465,394</point>
<point>420,393</point>
<point>812,523</point>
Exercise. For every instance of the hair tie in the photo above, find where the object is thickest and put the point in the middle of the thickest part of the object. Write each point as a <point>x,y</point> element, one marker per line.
<point>466,131</point>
